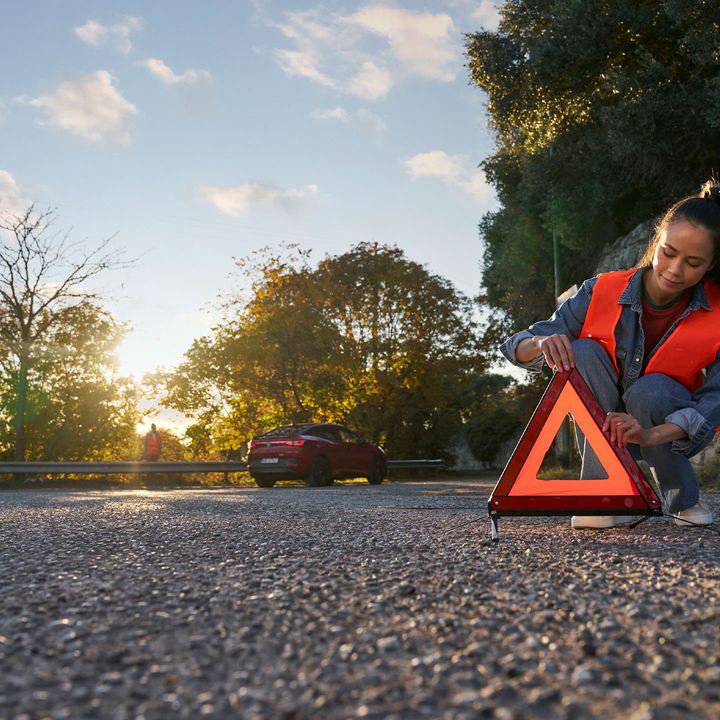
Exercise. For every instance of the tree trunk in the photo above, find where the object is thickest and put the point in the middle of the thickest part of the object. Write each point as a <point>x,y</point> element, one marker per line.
<point>22,394</point>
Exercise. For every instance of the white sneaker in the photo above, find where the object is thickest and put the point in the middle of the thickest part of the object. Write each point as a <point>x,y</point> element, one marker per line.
<point>592,521</point>
<point>597,522</point>
<point>695,515</point>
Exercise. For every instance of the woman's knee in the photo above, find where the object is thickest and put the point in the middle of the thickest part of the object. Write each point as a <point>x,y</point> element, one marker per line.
<point>655,396</point>
<point>589,353</point>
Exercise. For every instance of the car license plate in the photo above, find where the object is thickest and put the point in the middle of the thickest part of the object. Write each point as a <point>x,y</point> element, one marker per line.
<point>267,461</point>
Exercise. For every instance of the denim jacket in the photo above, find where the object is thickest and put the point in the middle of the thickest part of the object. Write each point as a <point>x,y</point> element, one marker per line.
<point>700,419</point>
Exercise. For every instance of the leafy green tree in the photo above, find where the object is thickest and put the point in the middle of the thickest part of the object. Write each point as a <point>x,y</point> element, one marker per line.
<point>367,337</point>
<point>409,347</point>
<point>269,362</point>
<point>78,407</point>
<point>60,395</point>
<point>604,112</point>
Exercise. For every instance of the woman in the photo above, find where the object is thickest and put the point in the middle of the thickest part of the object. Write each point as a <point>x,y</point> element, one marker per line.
<point>647,342</point>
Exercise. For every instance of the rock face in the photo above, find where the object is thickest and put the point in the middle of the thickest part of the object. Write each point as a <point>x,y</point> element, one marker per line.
<point>626,251</point>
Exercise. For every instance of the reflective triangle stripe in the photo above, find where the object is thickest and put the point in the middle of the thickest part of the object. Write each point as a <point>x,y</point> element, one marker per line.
<point>520,491</point>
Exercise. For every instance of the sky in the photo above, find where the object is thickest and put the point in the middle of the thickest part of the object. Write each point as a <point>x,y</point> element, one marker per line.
<point>195,133</point>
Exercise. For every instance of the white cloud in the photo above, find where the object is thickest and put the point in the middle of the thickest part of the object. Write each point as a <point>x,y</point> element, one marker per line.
<point>469,14</point>
<point>371,82</point>
<point>303,63</point>
<point>368,52</point>
<point>454,170</point>
<point>165,74</point>
<point>371,122</point>
<point>435,164</point>
<point>420,42</point>
<point>95,33</point>
<point>336,113</point>
<point>90,107</point>
<point>311,37</point>
<point>488,15</point>
<point>368,121</point>
<point>236,200</point>
<point>12,201</point>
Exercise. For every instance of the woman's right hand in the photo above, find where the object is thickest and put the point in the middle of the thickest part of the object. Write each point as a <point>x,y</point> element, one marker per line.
<point>557,350</point>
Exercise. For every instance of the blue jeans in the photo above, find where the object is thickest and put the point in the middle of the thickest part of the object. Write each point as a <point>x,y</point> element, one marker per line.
<point>650,399</point>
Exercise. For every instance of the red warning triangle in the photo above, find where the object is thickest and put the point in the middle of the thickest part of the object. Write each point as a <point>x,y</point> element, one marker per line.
<point>520,491</point>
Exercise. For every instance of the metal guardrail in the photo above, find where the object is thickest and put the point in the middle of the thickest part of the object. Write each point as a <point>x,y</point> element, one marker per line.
<point>110,468</point>
<point>413,464</point>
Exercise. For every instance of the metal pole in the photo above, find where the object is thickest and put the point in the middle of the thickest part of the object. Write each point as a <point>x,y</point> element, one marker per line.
<point>563,438</point>
<point>556,267</point>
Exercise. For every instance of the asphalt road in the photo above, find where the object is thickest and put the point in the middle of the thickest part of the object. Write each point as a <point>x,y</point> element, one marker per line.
<point>347,602</point>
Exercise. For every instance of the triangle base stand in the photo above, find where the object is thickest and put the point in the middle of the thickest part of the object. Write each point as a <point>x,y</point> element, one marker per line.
<point>520,491</point>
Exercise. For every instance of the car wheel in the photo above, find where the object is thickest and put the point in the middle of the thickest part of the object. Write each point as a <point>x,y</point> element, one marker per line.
<point>319,475</point>
<point>376,473</point>
<point>264,482</point>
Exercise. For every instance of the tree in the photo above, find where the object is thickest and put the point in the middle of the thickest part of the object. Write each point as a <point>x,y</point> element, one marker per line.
<point>43,297</point>
<point>78,407</point>
<point>408,344</point>
<point>604,112</point>
<point>368,337</point>
<point>270,361</point>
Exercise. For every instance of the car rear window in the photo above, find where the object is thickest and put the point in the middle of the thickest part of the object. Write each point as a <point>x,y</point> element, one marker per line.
<point>285,431</point>
<point>349,436</point>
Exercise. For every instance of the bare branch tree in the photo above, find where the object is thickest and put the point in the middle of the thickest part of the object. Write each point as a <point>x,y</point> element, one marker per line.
<point>43,276</point>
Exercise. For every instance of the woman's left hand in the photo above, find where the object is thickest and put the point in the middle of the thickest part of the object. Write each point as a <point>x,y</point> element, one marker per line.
<point>624,429</point>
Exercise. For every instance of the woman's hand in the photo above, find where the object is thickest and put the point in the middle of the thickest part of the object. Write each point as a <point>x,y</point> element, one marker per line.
<point>624,429</point>
<point>557,350</point>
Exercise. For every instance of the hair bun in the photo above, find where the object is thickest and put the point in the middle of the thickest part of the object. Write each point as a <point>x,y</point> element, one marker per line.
<point>710,191</point>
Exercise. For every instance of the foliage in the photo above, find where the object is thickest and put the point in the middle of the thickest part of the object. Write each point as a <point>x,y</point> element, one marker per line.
<point>488,431</point>
<point>78,407</point>
<point>604,112</point>
<point>492,417</point>
<point>368,338</point>
<point>60,395</point>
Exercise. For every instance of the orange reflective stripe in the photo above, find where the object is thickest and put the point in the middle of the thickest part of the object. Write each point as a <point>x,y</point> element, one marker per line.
<point>618,482</point>
<point>520,491</point>
<point>604,310</point>
<point>692,346</point>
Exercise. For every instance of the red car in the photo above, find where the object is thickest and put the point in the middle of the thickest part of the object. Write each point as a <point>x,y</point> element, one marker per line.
<point>320,453</point>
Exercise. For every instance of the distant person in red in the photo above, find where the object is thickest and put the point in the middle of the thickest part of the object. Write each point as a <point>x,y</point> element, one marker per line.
<point>153,444</point>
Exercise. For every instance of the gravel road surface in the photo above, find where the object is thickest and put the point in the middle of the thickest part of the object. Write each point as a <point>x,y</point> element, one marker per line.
<point>347,602</point>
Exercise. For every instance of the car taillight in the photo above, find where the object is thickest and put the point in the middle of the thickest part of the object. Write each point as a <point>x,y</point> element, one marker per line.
<point>268,443</point>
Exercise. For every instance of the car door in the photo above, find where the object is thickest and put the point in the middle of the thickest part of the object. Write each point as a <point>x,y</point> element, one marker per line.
<point>354,452</point>
<point>333,448</point>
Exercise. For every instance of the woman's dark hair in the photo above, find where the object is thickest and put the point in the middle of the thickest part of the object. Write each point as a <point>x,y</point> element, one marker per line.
<point>701,210</point>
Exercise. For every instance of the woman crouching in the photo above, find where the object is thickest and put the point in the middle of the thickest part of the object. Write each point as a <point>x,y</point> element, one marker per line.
<point>647,343</point>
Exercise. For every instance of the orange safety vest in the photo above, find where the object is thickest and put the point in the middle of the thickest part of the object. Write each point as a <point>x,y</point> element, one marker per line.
<point>152,444</point>
<point>691,347</point>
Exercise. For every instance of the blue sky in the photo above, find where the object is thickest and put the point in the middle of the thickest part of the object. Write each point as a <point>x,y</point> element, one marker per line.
<point>197,132</point>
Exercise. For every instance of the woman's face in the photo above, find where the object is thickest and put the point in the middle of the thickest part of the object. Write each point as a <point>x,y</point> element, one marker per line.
<point>682,257</point>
